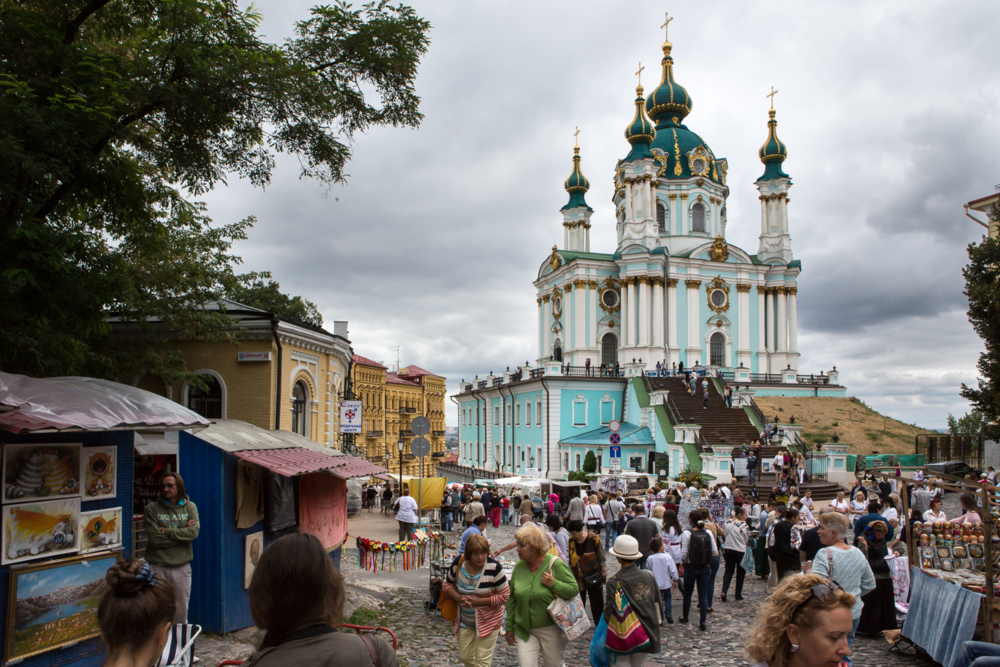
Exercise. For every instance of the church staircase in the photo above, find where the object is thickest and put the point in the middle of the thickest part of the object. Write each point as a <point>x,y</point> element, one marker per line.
<point>721,425</point>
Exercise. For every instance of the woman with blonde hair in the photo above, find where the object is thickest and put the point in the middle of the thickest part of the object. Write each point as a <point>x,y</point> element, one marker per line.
<point>859,507</point>
<point>538,579</point>
<point>657,516</point>
<point>804,624</point>
<point>593,514</point>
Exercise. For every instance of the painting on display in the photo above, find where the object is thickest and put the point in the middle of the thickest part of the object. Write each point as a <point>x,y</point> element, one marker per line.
<point>41,472</point>
<point>253,547</point>
<point>55,603</point>
<point>100,465</point>
<point>100,530</point>
<point>40,529</point>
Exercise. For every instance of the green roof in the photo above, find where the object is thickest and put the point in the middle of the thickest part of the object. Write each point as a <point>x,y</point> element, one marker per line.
<point>773,152</point>
<point>570,255</point>
<point>631,435</point>
<point>670,98</point>
<point>640,129</point>
<point>576,200</point>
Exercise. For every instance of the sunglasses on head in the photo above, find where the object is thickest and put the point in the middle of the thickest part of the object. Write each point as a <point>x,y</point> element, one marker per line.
<point>825,593</point>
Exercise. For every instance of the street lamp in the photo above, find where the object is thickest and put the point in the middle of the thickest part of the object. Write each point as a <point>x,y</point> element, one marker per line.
<point>399,445</point>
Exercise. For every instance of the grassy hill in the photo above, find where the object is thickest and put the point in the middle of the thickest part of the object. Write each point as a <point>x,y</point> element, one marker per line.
<point>864,429</point>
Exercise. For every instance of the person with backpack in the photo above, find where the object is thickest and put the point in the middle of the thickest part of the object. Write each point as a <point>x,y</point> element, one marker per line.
<point>632,607</point>
<point>697,548</point>
<point>613,510</point>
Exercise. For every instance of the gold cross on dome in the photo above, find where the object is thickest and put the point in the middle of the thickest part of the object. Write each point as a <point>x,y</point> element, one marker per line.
<point>576,136</point>
<point>666,25</point>
<point>771,95</point>
<point>639,73</point>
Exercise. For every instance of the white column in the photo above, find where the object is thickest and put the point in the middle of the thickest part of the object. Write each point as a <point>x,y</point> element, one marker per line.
<point>643,311</point>
<point>693,302</point>
<point>761,331</point>
<point>647,188</point>
<point>769,343</point>
<point>625,313</point>
<point>782,321</point>
<point>672,316</point>
<point>657,320</point>
<point>743,299</point>
<point>541,329</point>
<point>628,200</point>
<point>580,311</point>
<point>633,335</point>
<point>763,215</point>
<point>592,293</point>
<point>793,320</point>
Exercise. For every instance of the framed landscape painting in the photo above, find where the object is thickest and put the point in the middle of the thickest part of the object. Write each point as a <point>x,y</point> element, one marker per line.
<point>54,603</point>
<point>40,529</point>
<point>100,530</point>
<point>41,472</point>
<point>100,465</point>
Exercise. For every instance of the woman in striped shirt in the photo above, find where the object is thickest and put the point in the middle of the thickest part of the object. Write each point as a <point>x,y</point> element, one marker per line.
<point>477,583</point>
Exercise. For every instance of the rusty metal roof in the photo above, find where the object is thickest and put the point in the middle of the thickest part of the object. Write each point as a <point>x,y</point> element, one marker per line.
<point>289,462</point>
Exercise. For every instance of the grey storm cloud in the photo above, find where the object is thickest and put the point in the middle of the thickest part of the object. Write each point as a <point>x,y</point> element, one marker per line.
<point>889,113</point>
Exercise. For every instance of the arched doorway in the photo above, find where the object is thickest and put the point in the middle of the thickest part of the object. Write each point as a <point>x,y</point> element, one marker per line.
<point>609,349</point>
<point>208,403</point>
<point>717,349</point>
<point>300,398</point>
<point>557,350</point>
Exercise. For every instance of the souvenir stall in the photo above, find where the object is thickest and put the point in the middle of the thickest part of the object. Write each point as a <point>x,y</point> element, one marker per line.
<point>67,453</point>
<point>629,484</point>
<point>951,566</point>
<point>252,486</point>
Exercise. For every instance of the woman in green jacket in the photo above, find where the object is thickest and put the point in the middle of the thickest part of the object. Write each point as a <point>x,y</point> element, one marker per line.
<point>538,579</point>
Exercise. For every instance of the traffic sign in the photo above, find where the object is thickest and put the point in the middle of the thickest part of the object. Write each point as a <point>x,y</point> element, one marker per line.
<point>420,426</point>
<point>615,439</point>
<point>420,447</point>
<point>614,425</point>
<point>615,453</point>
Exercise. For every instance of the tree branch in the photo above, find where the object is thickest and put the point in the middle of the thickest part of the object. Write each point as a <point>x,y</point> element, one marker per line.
<point>85,13</point>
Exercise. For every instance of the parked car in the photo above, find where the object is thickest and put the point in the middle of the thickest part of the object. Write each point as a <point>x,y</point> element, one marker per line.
<point>954,468</point>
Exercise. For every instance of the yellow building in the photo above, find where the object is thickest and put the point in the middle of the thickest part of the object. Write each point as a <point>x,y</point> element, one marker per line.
<point>281,374</point>
<point>391,400</point>
<point>985,205</point>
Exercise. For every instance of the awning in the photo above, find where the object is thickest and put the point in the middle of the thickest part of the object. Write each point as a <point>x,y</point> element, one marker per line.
<point>86,404</point>
<point>354,467</point>
<point>288,462</point>
<point>630,434</point>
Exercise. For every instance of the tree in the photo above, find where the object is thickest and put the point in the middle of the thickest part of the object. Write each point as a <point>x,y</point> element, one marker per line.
<point>982,288</point>
<point>114,115</point>
<point>590,462</point>
<point>268,296</point>
<point>970,424</point>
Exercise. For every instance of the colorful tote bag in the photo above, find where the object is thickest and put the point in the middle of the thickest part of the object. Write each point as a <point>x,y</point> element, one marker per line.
<point>625,632</point>
<point>747,562</point>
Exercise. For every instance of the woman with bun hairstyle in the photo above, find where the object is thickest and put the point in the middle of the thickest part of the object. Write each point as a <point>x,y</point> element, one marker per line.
<point>804,624</point>
<point>135,614</point>
<point>297,598</point>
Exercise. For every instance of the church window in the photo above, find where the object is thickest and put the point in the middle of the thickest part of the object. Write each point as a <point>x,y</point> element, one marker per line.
<point>607,409</point>
<point>565,461</point>
<point>208,404</point>
<point>496,415</point>
<point>580,411</point>
<point>538,412</point>
<point>610,298</point>
<point>717,349</point>
<point>517,413</point>
<point>557,351</point>
<point>484,416</point>
<point>697,218</point>
<point>609,349</point>
<point>719,298</point>
<point>661,218</point>
<point>299,394</point>
<point>527,413</point>
<point>507,410</point>
<point>576,459</point>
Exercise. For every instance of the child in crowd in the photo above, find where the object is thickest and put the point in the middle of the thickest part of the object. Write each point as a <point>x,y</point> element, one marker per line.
<point>661,564</point>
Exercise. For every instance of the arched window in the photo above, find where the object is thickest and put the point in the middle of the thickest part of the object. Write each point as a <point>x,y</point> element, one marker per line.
<point>717,349</point>
<point>609,349</point>
<point>208,404</point>
<point>661,217</point>
<point>697,218</point>
<point>299,400</point>
<point>557,350</point>
<point>538,412</point>
<point>517,413</point>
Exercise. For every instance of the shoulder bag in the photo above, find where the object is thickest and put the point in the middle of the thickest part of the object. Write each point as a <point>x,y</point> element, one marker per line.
<point>568,615</point>
<point>448,607</point>
<point>625,632</point>
<point>599,523</point>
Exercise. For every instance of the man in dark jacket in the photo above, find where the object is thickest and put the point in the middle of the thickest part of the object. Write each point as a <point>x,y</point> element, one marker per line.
<point>785,550</point>
<point>884,488</point>
<point>643,530</point>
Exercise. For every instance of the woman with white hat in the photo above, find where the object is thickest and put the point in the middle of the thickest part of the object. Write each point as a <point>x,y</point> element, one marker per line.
<point>641,591</point>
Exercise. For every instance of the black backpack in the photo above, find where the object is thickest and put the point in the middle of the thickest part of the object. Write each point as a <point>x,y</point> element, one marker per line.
<point>700,548</point>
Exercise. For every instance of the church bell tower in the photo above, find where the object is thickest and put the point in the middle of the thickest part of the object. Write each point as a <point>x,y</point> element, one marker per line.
<point>576,212</point>
<point>773,185</point>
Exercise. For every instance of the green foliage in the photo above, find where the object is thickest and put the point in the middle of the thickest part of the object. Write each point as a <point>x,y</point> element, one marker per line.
<point>114,115</point>
<point>982,288</point>
<point>689,477</point>
<point>577,476</point>
<point>268,296</point>
<point>590,462</point>
<point>969,424</point>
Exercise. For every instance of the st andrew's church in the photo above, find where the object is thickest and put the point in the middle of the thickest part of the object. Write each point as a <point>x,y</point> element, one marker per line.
<point>673,289</point>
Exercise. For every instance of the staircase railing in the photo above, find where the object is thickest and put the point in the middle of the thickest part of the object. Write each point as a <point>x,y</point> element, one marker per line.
<point>757,412</point>
<point>675,414</point>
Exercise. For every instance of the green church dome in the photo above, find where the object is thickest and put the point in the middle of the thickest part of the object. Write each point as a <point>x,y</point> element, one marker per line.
<point>641,129</point>
<point>670,98</point>
<point>773,152</point>
<point>577,184</point>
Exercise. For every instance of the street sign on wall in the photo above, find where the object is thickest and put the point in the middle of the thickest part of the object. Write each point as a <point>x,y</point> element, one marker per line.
<point>254,356</point>
<point>350,417</point>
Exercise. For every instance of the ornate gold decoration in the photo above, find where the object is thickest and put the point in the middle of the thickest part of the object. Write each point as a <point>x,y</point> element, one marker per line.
<point>684,196</point>
<point>656,280</point>
<point>723,166</point>
<point>700,182</point>
<point>611,324</point>
<point>699,153</point>
<point>539,300</point>
<point>673,196</point>
<point>700,198</point>
<point>546,297</point>
<point>719,251</point>
<point>671,282</point>
<point>608,284</point>
<point>743,287</point>
<point>662,158</point>
<point>554,259</point>
<point>717,284</point>
<point>643,280</point>
<point>718,324</point>
<point>568,287</point>
<point>780,289</point>
<point>678,170</point>
<point>761,289</point>
<point>793,290</point>
<point>580,283</point>
<point>557,309</point>
<point>693,284</point>
<point>592,284</point>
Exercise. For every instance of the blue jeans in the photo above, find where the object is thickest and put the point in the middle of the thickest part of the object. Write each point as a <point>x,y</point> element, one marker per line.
<point>697,575</point>
<point>668,605</point>
<point>505,515</point>
<point>611,535</point>
<point>447,522</point>
<point>711,579</point>
<point>752,475</point>
<point>977,654</point>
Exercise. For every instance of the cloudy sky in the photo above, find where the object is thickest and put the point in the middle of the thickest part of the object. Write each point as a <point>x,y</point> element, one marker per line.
<point>889,111</point>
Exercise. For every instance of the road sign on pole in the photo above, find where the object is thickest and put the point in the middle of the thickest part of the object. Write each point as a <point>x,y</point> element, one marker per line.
<point>420,447</point>
<point>615,439</point>
<point>420,426</point>
<point>614,425</point>
<point>615,452</point>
